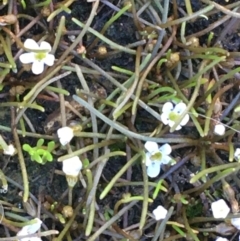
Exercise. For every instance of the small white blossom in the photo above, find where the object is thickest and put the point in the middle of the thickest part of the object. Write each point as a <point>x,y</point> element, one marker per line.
<point>237,154</point>
<point>171,114</point>
<point>160,213</point>
<point>221,239</point>
<point>10,150</point>
<point>156,156</point>
<point>236,223</point>
<point>219,129</point>
<point>65,135</point>
<point>72,166</point>
<point>220,209</point>
<point>38,59</point>
<point>30,229</point>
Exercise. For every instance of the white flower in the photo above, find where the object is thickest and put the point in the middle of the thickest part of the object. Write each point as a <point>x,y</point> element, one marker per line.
<point>160,213</point>
<point>171,114</point>
<point>72,166</point>
<point>156,156</point>
<point>221,239</point>
<point>236,223</point>
<point>65,135</point>
<point>30,229</point>
<point>220,209</point>
<point>10,150</point>
<point>38,59</point>
<point>219,129</point>
<point>237,154</point>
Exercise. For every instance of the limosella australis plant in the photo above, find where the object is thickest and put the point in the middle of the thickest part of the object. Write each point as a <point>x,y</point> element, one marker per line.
<point>171,92</point>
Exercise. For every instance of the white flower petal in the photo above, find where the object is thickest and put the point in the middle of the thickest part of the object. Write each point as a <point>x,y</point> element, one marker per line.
<point>221,239</point>
<point>31,44</point>
<point>220,209</point>
<point>219,129</point>
<point>30,229</point>
<point>10,150</point>
<point>180,108</point>
<point>184,120</point>
<point>166,160</point>
<point>49,60</point>
<point>151,146</point>
<point>171,124</point>
<point>65,135</point>
<point>165,149</point>
<point>148,159</point>
<point>154,169</point>
<point>165,118</point>
<point>237,154</point>
<point>45,45</point>
<point>160,213</point>
<point>236,223</point>
<point>37,67</point>
<point>72,166</point>
<point>27,58</point>
<point>167,108</point>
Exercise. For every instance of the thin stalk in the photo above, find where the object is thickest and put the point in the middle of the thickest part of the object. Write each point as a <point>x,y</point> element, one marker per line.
<point>93,116</point>
<point>104,39</point>
<point>145,193</point>
<point>118,175</point>
<point>127,132</point>
<point>216,178</point>
<point>85,149</point>
<point>69,223</point>
<point>91,215</point>
<point>187,226</point>
<point>109,23</point>
<point>59,33</point>
<point>187,18</point>
<point>203,69</point>
<point>160,230</point>
<point>4,181</point>
<point>110,222</point>
<point>22,165</point>
<point>212,169</point>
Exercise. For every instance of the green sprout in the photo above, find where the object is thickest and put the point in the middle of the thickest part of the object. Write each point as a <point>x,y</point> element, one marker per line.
<point>40,153</point>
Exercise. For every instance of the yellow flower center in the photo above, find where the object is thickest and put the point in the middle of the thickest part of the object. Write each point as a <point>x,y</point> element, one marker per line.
<point>156,156</point>
<point>173,116</point>
<point>40,56</point>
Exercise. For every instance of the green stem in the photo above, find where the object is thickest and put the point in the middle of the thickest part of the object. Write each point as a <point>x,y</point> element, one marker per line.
<point>69,223</point>
<point>85,149</point>
<point>187,18</point>
<point>127,132</point>
<point>22,165</point>
<point>104,39</point>
<point>118,175</point>
<point>3,143</point>
<point>212,169</point>
<point>4,181</point>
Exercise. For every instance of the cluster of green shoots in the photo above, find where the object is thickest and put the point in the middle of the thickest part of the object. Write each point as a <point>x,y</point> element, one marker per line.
<point>41,154</point>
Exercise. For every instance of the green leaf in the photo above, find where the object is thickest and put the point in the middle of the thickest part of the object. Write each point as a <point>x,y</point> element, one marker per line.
<point>40,143</point>
<point>37,158</point>
<point>48,156</point>
<point>27,148</point>
<point>51,146</point>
